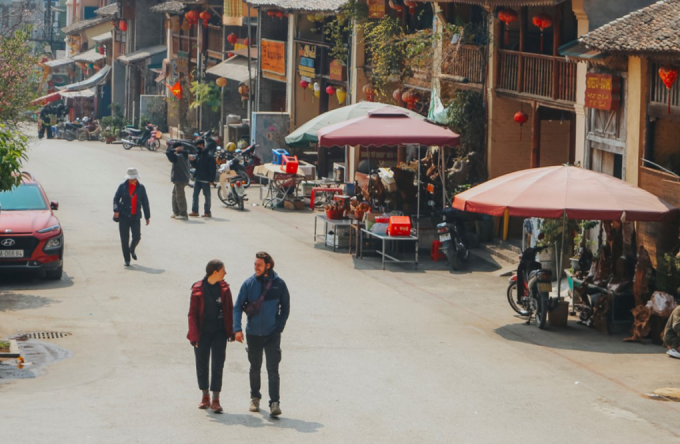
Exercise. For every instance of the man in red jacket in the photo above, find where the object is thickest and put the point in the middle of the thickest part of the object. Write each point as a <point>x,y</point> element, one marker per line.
<point>210,328</point>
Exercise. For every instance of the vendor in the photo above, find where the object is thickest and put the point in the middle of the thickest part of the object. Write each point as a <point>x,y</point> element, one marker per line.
<point>671,334</point>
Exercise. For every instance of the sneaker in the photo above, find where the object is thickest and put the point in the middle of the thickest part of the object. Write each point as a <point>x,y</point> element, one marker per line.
<point>207,215</point>
<point>205,403</point>
<point>181,218</point>
<point>274,409</point>
<point>254,405</point>
<point>173,216</point>
<point>193,214</point>
<point>127,263</point>
<point>133,255</point>
<point>673,353</point>
<point>215,406</point>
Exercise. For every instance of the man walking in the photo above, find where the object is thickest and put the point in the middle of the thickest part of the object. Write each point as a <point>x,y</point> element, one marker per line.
<point>128,203</point>
<point>265,299</point>
<point>179,176</point>
<point>206,168</point>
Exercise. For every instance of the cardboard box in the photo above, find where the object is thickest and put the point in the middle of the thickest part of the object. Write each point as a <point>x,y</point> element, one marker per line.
<point>293,204</point>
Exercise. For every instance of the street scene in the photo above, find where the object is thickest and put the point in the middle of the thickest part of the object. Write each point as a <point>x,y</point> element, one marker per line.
<point>339,221</point>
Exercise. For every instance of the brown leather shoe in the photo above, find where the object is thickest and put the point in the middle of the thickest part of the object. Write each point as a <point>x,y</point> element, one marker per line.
<point>205,403</point>
<point>207,215</point>
<point>215,406</point>
<point>193,214</point>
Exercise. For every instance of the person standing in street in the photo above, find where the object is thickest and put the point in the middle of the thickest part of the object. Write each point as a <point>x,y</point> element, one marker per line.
<point>265,299</point>
<point>210,328</point>
<point>179,176</point>
<point>206,168</point>
<point>128,203</point>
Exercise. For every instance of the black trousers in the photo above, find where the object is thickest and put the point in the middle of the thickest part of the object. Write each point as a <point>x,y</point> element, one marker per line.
<point>211,343</point>
<point>45,127</point>
<point>125,226</point>
<point>271,345</point>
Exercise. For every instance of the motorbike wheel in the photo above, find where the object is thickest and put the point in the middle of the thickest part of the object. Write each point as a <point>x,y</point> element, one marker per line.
<point>127,146</point>
<point>512,300</point>
<point>153,146</point>
<point>82,136</point>
<point>69,136</point>
<point>452,256</point>
<point>464,254</point>
<point>224,199</point>
<point>541,311</point>
<point>245,178</point>
<point>240,204</point>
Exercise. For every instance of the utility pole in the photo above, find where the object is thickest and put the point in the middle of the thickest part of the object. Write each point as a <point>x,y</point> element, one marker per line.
<point>50,26</point>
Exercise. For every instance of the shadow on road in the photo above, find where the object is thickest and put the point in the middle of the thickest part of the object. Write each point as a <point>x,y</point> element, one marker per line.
<point>374,262</point>
<point>19,301</point>
<point>28,281</point>
<point>265,421</point>
<point>143,269</point>
<point>574,337</point>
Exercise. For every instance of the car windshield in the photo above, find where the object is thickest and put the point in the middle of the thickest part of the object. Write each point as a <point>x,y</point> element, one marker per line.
<point>22,198</point>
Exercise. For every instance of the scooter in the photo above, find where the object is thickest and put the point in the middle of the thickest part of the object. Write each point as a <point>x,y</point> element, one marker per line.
<point>235,161</point>
<point>90,131</point>
<point>535,284</point>
<point>231,190</point>
<point>452,238</point>
<point>69,130</point>
<point>141,138</point>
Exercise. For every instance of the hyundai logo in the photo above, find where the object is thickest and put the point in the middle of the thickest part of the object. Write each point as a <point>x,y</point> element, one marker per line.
<point>7,242</point>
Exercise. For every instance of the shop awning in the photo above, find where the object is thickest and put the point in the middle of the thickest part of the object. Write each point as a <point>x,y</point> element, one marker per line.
<point>85,93</point>
<point>44,100</point>
<point>102,38</point>
<point>93,80</point>
<point>59,62</point>
<point>142,54</point>
<point>89,56</point>
<point>234,68</point>
<point>577,50</point>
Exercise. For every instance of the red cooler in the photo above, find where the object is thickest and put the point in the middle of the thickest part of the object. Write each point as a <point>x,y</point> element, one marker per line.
<point>399,226</point>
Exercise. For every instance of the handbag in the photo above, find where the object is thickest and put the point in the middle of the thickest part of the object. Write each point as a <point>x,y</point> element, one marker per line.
<point>253,308</point>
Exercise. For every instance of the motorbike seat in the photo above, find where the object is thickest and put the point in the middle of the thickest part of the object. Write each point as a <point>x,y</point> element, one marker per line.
<point>134,131</point>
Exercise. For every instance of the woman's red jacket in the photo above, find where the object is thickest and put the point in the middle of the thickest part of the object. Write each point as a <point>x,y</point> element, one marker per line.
<point>197,311</point>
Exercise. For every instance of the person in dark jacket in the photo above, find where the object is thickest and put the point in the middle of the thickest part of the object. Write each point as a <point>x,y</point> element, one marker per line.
<point>128,203</point>
<point>267,295</point>
<point>179,176</point>
<point>206,168</point>
<point>210,328</point>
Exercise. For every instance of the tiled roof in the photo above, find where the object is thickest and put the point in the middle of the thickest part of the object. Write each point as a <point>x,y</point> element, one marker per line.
<point>89,56</point>
<point>501,2</point>
<point>108,11</point>
<point>300,5</point>
<point>651,30</point>
<point>75,28</point>
<point>101,38</point>
<point>142,54</point>
<point>173,7</point>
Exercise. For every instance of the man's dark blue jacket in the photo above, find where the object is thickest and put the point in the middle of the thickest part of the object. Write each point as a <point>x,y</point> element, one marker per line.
<point>275,307</point>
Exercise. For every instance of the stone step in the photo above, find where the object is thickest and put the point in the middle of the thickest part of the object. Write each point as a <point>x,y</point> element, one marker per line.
<point>503,267</point>
<point>509,255</point>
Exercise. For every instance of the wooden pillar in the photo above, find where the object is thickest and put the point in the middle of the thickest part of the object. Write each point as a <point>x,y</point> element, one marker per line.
<point>522,46</point>
<point>556,45</point>
<point>401,154</point>
<point>535,137</point>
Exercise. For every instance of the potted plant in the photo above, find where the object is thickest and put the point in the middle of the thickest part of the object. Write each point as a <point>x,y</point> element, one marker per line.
<point>581,242</point>
<point>107,134</point>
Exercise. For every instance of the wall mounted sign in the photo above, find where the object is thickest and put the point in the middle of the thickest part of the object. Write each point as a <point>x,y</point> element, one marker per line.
<point>183,62</point>
<point>307,66</point>
<point>273,57</point>
<point>337,71</point>
<point>603,91</point>
<point>376,9</point>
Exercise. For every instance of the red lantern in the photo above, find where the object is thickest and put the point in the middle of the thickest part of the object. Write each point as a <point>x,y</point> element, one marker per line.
<point>246,42</point>
<point>271,13</point>
<point>122,25</point>
<point>368,90</point>
<point>668,76</point>
<point>521,118</point>
<point>102,50</point>
<point>396,95</point>
<point>507,16</point>
<point>542,21</point>
<point>396,7</point>
<point>411,98</point>
<point>280,14</point>
<point>304,84</point>
<point>232,38</point>
<point>330,90</point>
<point>205,16</point>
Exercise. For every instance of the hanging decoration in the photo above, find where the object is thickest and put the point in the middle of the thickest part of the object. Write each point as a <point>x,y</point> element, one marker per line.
<point>507,16</point>
<point>396,7</point>
<point>369,92</point>
<point>411,98</point>
<point>232,38</point>
<point>330,90</point>
<point>280,14</point>
<point>304,85</point>
<point>192,17</point>
<point>668,76</point>
<point>176,90</point>
<point>341,94</point>
<point>205,16</point>
<point>221,82</point>
<point>521,118</point>
<point>246,42</point>
<point>244,91</point>
<point>186,25</point>
<point>271,13</point>
<point>101,49</point>
<point>542,21</point>
<point>317,90</point>
<point>412,6</point>
<point>122,25</point>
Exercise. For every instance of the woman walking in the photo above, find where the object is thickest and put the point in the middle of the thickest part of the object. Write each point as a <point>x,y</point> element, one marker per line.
<point>210,327</point>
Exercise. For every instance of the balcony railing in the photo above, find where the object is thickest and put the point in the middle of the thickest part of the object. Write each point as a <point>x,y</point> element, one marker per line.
<point>537,75</point>
<point>215,39</point>
<point>465,62</point>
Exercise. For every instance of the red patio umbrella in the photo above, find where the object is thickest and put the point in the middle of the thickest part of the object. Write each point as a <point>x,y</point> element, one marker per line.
<point>563,191</point>
<point>386,126</point>
<point>44,100</point>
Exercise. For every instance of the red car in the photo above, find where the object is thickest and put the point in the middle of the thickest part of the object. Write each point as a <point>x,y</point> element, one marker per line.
<point>31,238</point>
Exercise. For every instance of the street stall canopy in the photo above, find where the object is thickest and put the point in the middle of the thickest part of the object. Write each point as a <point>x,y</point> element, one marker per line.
<point>94,80</point>
<point>142,54</point>
<point>85,93</point>
<point>234,68</point>
<point>387,126</point>
<point>44,100</point>
<point>103,38</point>
<point>558,191</point>
<point>59,62</point>
<point>89,56</point>
<point>308,133</point>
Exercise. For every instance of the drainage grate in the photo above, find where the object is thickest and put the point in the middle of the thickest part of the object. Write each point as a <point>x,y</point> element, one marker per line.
<point>46,335</point>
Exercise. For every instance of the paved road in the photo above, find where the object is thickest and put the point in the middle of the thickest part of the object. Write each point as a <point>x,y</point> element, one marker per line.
<point>393,356</point>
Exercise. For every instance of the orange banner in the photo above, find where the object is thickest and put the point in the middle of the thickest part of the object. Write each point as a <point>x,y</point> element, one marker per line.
<point>273,56</point>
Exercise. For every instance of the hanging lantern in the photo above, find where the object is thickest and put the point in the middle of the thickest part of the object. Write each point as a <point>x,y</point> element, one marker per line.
<point>221,82</point>
<point>411,98</point>
<point>341,94</point>
<point>542,21</point>
<point>668,76</point>
<point>396,95</point>
<point>507,16</point>
<point>317,90</point>
<point>304,84</point>
<point>122,25</point>
<point>319,17</point>
<point>412,6</point>
<point>330,90</point>
<point>232,38</point>
<point>271,13</point>
<point>244,91</point>
<point>246,42</point>
<point>521,118</point>
<point>396,7</point>
<point>205,16</point>
<point>102,49</point>
<point>280,14</point>
<point>186,25</point>
<point>369,92</point>
<point>311,17</point>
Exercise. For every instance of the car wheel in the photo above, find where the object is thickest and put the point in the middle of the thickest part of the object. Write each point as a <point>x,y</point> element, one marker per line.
<point>55,274</point>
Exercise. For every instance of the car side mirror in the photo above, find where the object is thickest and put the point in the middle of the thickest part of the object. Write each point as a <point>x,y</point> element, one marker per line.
<point>54,205</point>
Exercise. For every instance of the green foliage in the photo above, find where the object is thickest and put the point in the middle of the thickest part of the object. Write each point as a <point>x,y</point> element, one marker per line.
<point>17,85</point>
<point>385,44</point>
<point>551,230</point>
<point>338,29</point>
<point>207,94</point>
<point>583,227</point>
<point>467,117</point>
<point>13,147</point>
<point>668,274</point>
<point>115,122</point>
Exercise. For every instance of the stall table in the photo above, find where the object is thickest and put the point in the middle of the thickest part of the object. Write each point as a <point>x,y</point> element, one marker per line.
<point>385,239</point>
<point>324,190</point>
<point>620,317</point>
<point>280,185</point>
<point>334,223</point>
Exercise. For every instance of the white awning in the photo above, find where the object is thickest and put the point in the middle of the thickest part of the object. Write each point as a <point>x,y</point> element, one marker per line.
<point>93,80</point>
<point>77,94</point>
<point>59,62</point>
<point>89,56</point>
<point>142,54</point>
<point>234,68</point>
<point>101,38</point>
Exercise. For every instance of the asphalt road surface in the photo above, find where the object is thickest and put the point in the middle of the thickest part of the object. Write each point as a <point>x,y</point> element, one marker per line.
<point>369,356</point>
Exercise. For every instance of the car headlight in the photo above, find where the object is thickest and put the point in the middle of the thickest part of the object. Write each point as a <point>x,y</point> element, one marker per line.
<point>48,229</point>
<point>54,242</point>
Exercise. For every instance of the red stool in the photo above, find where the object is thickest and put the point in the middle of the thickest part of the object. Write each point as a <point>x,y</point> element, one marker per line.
<point>435,254</point>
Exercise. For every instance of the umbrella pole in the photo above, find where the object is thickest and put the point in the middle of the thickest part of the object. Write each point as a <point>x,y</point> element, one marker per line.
<point>561,255</point>
<point>418,209</point>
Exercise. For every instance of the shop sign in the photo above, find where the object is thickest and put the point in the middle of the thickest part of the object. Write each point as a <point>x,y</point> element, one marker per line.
<point>307,66</point>
<point>337,71</point>
<point>376,9</point>
<point>183,62</point>
<point>602,91</point>
<point>273,57</point>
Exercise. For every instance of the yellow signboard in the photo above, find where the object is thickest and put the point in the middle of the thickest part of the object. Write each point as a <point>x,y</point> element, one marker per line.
<point>273,56</point>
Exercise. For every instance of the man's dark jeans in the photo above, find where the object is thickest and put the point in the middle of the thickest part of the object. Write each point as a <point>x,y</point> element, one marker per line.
<point>198,186</point>
<point>127,225</point>
<point>215,344</point>
<point>271,345</point>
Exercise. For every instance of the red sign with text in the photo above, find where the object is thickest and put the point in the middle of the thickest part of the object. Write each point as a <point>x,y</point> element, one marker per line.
<point>603,91</point>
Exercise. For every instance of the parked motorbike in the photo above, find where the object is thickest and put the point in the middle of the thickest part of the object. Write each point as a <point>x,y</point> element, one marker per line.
<point>249,161</point>
<point>69,130</point>
<point>141,138</point>
<point>210,142</point>
<point>535,284</point>
<point>236,163</point>
<point>452,237</point>
<point>90,131</point>
<point>231,190</point>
